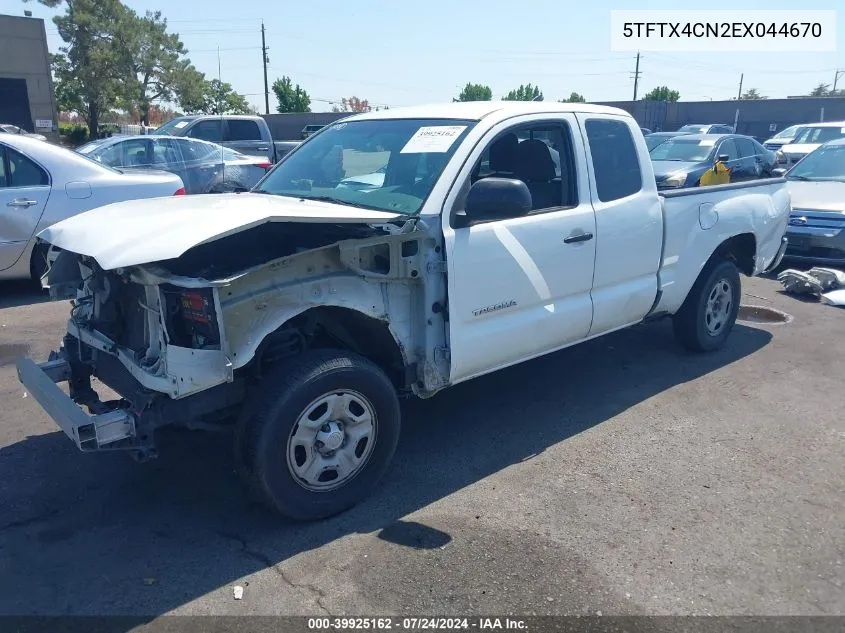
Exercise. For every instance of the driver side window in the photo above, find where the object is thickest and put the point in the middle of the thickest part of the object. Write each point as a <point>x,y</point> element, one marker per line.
<point>540,156</point>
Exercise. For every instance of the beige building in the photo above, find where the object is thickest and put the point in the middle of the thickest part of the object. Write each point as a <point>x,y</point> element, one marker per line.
<point>27,98</point>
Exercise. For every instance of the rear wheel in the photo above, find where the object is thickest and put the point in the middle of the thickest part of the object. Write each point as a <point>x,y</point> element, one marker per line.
<point>709,312</point>
<point>318,434</point>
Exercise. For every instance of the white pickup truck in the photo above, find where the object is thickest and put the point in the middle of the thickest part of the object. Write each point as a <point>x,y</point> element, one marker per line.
<point>394,252</point>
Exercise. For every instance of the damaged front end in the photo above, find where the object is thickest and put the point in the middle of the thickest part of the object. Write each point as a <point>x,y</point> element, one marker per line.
<point>154,344</point>
<point>179,341</point>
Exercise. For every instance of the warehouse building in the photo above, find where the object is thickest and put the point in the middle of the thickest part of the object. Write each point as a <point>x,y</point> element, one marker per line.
<point>27,99</point>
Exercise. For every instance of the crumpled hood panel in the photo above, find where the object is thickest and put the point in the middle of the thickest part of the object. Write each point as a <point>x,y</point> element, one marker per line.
<point>156,229</point>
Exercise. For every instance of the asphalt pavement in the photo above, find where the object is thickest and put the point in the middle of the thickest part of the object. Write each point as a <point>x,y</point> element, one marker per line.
<point>621,476</point>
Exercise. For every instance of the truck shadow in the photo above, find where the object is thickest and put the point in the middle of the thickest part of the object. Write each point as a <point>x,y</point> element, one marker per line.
<point>102,535</point>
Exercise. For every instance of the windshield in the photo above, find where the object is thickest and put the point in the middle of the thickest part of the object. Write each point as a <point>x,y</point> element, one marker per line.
<point>685,150</point>
<point>652,141</point>
<point>173,124</point>
<point>826,163</point>
<point>817,134</point>
<point>386,164</point>
<point>787,133</point>
<point>695,129</point>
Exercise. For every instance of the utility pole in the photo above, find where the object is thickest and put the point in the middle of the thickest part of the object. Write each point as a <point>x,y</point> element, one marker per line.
<point>836,79</point>
<point>266,61</point>
<point>739,94</point>
<point>636,75</point>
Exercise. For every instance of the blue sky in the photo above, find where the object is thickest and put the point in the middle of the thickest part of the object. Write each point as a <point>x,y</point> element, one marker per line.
<point>403,53</point>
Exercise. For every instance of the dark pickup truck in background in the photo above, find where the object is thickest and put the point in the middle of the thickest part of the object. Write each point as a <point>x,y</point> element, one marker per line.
<point>246,134</point>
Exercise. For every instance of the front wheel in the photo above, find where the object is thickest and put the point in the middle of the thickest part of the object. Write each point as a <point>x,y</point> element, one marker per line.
<point>319,433</point>
<point>709,312</point>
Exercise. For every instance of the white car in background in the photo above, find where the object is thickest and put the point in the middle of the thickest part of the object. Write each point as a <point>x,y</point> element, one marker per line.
<point>809,138</point>
<point>8,128</point>
<point>41,184</point>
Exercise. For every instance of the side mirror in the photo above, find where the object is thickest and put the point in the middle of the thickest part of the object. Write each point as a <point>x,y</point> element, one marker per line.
<point>778,172</point>
<point>495,199</point>
<point>723,158</point>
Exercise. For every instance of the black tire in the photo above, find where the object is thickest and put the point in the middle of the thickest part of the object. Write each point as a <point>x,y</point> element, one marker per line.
<point>271,413</point>
<point>691,321</point>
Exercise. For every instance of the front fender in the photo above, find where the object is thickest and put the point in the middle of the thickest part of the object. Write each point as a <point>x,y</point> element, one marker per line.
<point>248,319</point>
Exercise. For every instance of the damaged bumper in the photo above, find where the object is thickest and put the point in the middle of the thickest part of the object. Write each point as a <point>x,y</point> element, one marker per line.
<point>109,430</point>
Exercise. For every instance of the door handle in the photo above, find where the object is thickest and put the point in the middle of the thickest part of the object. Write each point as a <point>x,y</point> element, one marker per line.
<point>21,202</point>
<point>264,147</point>
<point>574,239</point>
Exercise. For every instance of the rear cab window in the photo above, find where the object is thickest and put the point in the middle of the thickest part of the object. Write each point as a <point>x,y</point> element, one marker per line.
<point>616,165</point>
<point>242,130</point>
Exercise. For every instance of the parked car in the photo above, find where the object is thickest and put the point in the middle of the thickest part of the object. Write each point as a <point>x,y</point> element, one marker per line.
<point>8,128</point>
<point>707,128</point>
<point>645,131</point>
<point>816,229</point>
<point>308,130</point>
<point>248,135</point>
<point>41,184</point>
<point>809,137</point>
<point>682,160</point>
<point>784,137</point>
<point>656,138</point>
<point>203,167</point>
<point>309,308</point>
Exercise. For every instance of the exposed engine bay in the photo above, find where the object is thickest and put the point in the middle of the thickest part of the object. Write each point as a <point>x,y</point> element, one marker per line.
<point>180,340</point>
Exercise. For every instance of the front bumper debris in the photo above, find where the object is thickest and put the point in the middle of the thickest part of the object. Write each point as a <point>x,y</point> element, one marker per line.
<point>111,430</point>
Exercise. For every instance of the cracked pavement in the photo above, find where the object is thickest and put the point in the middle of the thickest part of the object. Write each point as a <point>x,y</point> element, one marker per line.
<point>622,475</point>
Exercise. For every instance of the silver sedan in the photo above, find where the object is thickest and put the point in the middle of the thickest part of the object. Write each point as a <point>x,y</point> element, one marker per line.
<point>204,167</point>
<point>41,184</point>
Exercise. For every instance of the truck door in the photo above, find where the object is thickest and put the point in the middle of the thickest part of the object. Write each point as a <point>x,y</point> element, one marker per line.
<point>24,189</point>
<point>244,136</point>
<point>520,286</point>
<point>629,222</point>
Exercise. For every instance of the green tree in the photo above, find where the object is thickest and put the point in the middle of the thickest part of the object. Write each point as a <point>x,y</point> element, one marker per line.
<point>92,65</point>
<point>291,98</point>
<point>524,93</point>
<point>67,87</point>
<point>475,92</point>
<point>822,90</point>
<point>220,98</point>
<point>752,94</point>
<point>161,69</point>
<point>662,93</point>
<point>574,97</point>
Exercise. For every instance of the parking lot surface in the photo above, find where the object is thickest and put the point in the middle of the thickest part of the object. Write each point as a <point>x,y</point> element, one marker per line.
<point>621,476</point>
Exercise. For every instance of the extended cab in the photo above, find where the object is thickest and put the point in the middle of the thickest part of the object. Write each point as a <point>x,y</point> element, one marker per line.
<point>248,135</point>
<point>395,252</point>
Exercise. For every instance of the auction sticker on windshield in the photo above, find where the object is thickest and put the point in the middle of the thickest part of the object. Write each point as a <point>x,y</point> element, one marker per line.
<point>181,124</point>
<point>434,139</point>
<point>707,142</point>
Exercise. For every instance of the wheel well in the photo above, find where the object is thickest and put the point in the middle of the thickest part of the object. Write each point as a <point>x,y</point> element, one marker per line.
<point>740,249</point>
<point>339,328</point>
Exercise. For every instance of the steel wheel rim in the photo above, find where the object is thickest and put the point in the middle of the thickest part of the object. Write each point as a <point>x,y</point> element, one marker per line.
<point>332,440</point>
<point>718,309</point>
